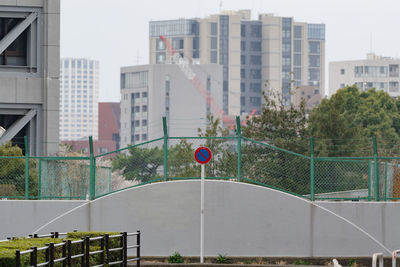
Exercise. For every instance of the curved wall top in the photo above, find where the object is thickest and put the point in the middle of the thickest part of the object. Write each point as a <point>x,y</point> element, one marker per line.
<point>240,220</point>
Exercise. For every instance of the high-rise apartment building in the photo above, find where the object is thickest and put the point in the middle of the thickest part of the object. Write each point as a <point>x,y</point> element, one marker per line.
<point>269,54</point>
<point>29,73</point>
<point>150,92</point>
<point>79,97</point>
<point>381,73</point>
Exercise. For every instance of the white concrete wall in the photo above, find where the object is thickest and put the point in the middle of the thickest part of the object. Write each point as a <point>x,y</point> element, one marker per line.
<point>240,220</point>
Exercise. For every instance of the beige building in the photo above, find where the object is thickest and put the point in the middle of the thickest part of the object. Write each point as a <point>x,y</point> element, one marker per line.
<point>381,73</point>
<point>271,53</point>
<point>311,95</point>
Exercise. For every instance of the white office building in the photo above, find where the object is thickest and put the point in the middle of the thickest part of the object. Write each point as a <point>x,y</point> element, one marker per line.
<point>79,97</point>
<point>381,73</point>
<point>150,92</point>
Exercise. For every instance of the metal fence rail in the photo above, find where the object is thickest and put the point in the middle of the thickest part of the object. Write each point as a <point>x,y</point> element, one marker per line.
<point>372,177</point>
<point>86,251</point>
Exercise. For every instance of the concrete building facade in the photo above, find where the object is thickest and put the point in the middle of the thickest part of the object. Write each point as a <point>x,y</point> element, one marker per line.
<point>269,54</point>
<point>79,98</point>
<point>29,73</point>
<point>149,92</point>
<point>381,73</point>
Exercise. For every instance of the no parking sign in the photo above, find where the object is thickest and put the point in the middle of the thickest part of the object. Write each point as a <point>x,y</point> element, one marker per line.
<point>202,155</point>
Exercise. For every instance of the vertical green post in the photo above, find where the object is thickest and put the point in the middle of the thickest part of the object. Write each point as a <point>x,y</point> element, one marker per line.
<point>369,180</point>
<point>312,171</point>
<point>376,170</point>
<point>385,189</point>
<point>239,148</point>
<point>164,119</point>
<point>26,167</point>
<point>40,180</point>
<point>110,180</point>
<point>92,181</point>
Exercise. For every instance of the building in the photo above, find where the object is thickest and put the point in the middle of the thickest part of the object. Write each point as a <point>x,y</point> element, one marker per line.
<point>256,55</point>
<point>79,98</point>
<point>381,73</point>
<point>109,116</point>
<point>149,92</point>
<point>29,73</point>
<point>109,120</point>
<point>310,94</point>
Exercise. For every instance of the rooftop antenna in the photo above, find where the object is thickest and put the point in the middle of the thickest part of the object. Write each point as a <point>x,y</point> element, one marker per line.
<point>137,57</point>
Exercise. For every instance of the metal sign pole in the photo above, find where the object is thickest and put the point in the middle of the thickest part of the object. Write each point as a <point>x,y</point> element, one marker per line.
<point>202,216</point>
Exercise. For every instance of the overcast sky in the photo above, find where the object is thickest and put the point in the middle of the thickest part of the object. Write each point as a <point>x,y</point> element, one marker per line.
<point>115,32</point>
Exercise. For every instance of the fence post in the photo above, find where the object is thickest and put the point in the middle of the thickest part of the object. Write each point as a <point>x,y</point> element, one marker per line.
<point>107,256</point>
<point>51,255</point>
<point>34,256</point>
<point>239,148</point>
<point>125,249</point>
<point>369,180</point>
<point>138,248</point>
<point>69,253</point>
<point>26,167</point>
<point>40,180</point>
<point>17,258</point>
<point>92,182</point>
<point>376,170</point>
<point>312,171</point>
<point>110,180</point>
<point>64,253</point>
<point>87,251</point>
<point>385,188</point>
<point>164,119</point>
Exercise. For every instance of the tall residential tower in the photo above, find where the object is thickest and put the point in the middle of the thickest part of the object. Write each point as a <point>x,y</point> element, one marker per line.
<point>269,54</point>
<point>79,97</point>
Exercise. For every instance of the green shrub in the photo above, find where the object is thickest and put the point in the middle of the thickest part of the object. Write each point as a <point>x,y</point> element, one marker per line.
<point>8,248</point>
<point>302,262</point>
<point>175,258</point>
<point>222,259</point>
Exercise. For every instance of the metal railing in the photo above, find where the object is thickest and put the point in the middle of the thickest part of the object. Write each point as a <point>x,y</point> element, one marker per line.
<point>310,175</point>
<point>86,251</point>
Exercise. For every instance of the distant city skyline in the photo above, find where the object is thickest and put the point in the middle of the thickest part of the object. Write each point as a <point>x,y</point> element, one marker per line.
<point>117,34</point>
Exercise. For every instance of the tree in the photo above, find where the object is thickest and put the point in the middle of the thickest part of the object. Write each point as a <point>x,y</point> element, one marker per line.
<point>284,126</point>
<point>344,124</point>
<point>140,164</point>
<point>224,160</point>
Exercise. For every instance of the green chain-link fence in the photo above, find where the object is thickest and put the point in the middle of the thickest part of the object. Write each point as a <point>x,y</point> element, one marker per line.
<point>373,177</point>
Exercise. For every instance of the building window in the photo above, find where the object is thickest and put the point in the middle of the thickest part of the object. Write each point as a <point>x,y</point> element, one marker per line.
<point>242,45</point>
<point>314,47</point>
<point>23,54</point>
<point>242,87</point>
<point>137,137</point>
<point>255,60</point>
<point>255,101</point>
<point>214,28</point>
<point>213,42</point>
<point>394,87</point>
<point>243,73</point>
<point>255,46</point>
<point>160,45</point>
<point>243,30</point>
<point>102,150</point>
<point>243,60</point>
<point>255,74</point>
<point>255,87</point>
<point>342,71</point>
<point>255,30</point>
<point>394,70</point>
<point>144,137</point>
<point>242,101</point>
<point>213,56</point>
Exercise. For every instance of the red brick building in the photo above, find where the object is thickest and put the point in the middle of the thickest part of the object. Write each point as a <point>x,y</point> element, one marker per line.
<point>109,114</point>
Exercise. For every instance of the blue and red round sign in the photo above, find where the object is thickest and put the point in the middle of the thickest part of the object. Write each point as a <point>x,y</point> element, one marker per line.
<point>202,155</point>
